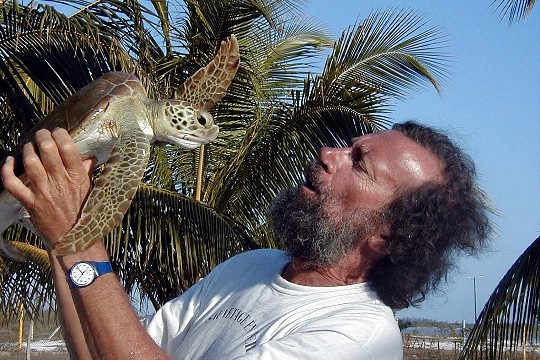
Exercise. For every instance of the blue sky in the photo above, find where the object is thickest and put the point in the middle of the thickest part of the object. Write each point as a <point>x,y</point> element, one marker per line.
<point>491,107</point>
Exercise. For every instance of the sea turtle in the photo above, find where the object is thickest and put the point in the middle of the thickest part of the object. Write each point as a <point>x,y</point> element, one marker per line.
<point>114,121</point>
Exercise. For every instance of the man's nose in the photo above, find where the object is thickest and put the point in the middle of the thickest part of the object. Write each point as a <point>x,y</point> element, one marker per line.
<point>332,158</point>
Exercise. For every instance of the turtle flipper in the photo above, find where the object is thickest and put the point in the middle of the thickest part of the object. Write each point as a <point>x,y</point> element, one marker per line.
<point>112,194</point>
<point>11,212</point>
<point>8,250</point>
<point>209,84</point>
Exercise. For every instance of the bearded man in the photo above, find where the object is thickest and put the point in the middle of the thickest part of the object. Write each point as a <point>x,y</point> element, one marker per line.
<point>374,228</point>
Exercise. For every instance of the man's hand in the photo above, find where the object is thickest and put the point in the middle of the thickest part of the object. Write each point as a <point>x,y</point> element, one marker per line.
<point>57,183</point>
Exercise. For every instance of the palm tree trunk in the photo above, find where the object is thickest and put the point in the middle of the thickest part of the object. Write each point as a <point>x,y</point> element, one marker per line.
<point>200,167</point>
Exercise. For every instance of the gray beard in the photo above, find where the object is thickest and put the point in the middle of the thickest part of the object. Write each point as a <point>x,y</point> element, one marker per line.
<point>307,234</point>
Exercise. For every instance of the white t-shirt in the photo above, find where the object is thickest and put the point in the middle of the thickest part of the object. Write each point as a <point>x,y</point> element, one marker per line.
<point>244,309</point>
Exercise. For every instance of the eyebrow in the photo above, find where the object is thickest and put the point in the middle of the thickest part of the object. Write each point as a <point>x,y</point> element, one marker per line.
<point>366,157</point>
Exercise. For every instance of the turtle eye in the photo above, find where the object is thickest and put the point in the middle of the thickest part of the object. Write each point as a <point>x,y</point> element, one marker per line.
<point>201,119</point>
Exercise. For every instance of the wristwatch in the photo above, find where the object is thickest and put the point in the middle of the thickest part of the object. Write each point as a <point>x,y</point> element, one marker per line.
<point>83,273</point>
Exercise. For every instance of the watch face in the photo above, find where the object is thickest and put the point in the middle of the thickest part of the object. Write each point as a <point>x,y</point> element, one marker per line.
<point>82,274</point>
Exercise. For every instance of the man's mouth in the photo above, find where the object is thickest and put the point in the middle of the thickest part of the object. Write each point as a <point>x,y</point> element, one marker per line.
<point>308,184</point>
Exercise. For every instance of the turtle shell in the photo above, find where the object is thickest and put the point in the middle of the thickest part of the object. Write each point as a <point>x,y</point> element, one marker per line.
<point>82,107</point>
<point>92,99</point>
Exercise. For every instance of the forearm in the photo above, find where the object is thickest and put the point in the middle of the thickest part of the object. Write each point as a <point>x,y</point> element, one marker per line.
<point>78,346</point>
<point>108,320</point>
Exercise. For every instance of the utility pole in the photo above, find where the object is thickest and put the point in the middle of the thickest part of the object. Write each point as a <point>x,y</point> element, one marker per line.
<point>474,293</point>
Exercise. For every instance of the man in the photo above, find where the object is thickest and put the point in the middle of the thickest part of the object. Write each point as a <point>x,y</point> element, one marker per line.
<point>374,227</point>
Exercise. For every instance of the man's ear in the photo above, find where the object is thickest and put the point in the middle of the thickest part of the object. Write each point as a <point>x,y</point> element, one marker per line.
<point>378,245</point>
<point>377,242</point>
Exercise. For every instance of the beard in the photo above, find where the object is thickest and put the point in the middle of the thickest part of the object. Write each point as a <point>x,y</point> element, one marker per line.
<point>311,235</point>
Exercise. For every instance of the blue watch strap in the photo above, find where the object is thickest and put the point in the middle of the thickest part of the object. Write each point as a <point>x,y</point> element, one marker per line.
<point>103,267</point>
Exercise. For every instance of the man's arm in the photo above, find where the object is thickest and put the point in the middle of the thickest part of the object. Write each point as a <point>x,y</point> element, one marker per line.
<point>78,346</point>
<point>106,314</point>
<point>57,185</point>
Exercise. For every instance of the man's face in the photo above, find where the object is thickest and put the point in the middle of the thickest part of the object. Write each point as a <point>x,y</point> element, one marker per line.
<point>368,174</point>
<point>339,203</point>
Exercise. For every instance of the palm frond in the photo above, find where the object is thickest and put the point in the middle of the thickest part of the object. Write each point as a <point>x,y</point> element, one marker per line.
<point>28,284</point>
<point>17,112</point>
<point>510,320</point>
<point>389,52</point>
<point>162,12</point>
<point>514,10</point>
<point>282,59</point>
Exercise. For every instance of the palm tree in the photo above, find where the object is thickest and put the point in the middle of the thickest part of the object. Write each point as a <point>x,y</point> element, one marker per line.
<point>510,320</point>
<point>274,118</point>
<point>514,10</point>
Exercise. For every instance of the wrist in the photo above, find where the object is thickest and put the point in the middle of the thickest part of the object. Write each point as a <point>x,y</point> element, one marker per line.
<point>84,273</point>
<point>95,252</point>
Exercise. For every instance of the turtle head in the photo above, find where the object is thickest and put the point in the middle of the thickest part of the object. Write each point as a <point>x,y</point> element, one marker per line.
<point>180,124</point>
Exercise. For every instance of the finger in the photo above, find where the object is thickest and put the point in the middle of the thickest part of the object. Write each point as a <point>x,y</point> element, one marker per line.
<point>48,151</point>
<point>68,151</point>
<point>13,184</point>
<point>74,165</point>
<point>32,166</point>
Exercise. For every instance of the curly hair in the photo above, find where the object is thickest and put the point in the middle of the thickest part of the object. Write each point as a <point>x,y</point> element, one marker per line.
<point>429,225</point>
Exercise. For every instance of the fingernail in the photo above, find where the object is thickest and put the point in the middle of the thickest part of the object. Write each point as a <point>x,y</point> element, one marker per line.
<point>9,158</point>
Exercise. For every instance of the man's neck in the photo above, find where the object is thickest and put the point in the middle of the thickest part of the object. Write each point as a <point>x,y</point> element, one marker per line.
<point>347,272</point>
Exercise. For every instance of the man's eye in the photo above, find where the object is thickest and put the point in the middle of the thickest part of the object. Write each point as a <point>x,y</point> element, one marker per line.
<point>359,166</point>
<point>357,161</point>
<point>356,157</point>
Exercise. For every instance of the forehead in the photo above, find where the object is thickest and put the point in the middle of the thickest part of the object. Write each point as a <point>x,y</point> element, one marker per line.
<point>402,158</point>
<point>393,139</point>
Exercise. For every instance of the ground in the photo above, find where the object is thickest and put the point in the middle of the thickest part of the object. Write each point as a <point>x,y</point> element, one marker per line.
<point>410,354</point>
<point>43,348</point>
